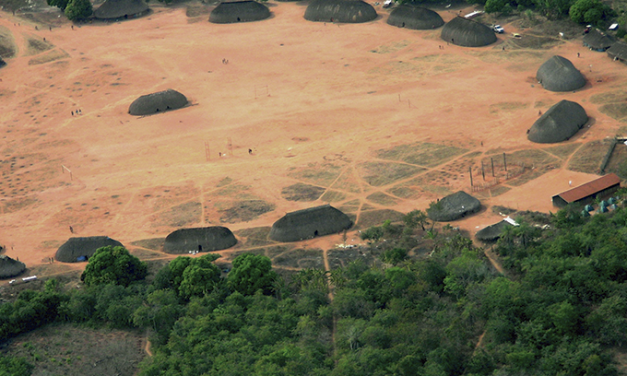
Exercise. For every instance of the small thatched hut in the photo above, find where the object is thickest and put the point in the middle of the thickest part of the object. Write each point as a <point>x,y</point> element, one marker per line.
<point>203,239</point>
<point>121,9</point>
<point>310,223</point>
<point>414,17</point>
<point>81,249</point>
<point>467,33</point>
<point>239,11</point>
<point>157,102</point>
<point>559,123</point>
<point>453,207</point>
<point>492,232</point>
<point>559,74</point>
<point>10,268</point>
<point>598,41</point>
<point>346,11</point>
<point>618,51</point>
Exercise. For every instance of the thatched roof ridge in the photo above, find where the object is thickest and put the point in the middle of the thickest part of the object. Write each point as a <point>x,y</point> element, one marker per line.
<point>116,9</point>
<point>597,40</point>
<point>492,232</point>
<point>346,11</point>
<point>74,248</point>
<point>239,11</point>
<point>618,51</point>
<point>157,102</point>
<point>309,223</point>
<point>559,74</point>
<point>559,123</point>
<point>10,268</point>
<point>454,206</point>
<point>467,33</point>
<point>414,17</point>
<point>211,239</point>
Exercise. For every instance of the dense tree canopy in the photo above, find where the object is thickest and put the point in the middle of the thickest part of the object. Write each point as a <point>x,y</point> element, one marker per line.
<point>78,9</point>
<point>252,273</point>
<point>113,265</point>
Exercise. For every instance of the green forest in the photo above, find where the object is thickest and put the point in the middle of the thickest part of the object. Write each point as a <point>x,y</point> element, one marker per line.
<point>561,308</point>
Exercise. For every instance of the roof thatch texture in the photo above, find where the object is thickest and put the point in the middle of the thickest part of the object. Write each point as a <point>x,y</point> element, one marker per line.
<point>559,74</point>
<point>414,17</point>
<point>454,206</point>
<point>346,11</point>
<point>239,11</point>
<point>157,102</point>
<point>74,248</point>
<point>309,223</point>
<point>618,51</point>
<point>213,238</point>
<point>10,268</point>
<point>116,9</point>
<point>467,33</point>
<point>597,40</point>
<point>492,232</point>
<point>559,123</point>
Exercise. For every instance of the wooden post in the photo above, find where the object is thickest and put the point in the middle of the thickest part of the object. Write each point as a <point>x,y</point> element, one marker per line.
<point>470,174</point>
<point>492,161</point>
<point>482,171</point>
<point>505,161</point>
<point>207,152</point>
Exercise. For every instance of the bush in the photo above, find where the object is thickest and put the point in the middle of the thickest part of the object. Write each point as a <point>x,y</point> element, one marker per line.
<point>113,265</point>
<point>78,10</point>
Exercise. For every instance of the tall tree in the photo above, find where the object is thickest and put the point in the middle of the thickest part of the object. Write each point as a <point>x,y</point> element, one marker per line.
<point>113,265</point>
<point>252,273</point>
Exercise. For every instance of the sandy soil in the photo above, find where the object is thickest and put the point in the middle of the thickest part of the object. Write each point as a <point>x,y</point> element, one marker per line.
<point>314,101</point>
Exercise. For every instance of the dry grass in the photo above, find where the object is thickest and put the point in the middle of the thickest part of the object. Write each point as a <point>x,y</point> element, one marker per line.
<point>48,57</point>
<point>588,158</point>
<point>300,258</point>
<point>7,43</point>
<point>382,199</point>
<point>383,173</point>
<point>244,211</point>
<point>302,192</point>
<point>377,217</point>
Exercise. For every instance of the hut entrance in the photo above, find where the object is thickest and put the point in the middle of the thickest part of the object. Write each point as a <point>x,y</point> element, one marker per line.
<point>316,233</point>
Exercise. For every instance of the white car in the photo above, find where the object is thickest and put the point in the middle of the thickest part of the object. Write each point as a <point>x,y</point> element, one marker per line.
<point>387,3</point>
<point>498,29</point>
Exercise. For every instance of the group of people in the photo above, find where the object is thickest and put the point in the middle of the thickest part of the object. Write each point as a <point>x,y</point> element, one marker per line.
<point>77,112</point>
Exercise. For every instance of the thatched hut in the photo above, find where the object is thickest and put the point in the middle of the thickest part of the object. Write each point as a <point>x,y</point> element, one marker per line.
<point>414,17</point>
<point>10,268</point>
<point>81,249</point>
<point>559,123</point>
<point>618,51</point>
<point>310,223</point>
<point>493,232</point>
<point>157,102</point>
<point>467,33</point>
<point>345,11</point>
<point>121,9</point>
<point>453,207</point>
<point>559,74</point>
<point>203,239</point>
<point>598,41</point>
<point>239,11</point>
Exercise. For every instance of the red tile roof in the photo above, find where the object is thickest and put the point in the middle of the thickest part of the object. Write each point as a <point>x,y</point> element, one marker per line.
<point>590,188</point>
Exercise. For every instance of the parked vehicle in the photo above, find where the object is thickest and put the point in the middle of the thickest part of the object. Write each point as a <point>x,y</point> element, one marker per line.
<point>498,29</point>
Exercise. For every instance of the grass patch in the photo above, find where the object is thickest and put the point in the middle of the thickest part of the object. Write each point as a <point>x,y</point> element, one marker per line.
<point>507,106</point>
<point>421,153</point>
<point>377,217</point>
<point>300,258</point>
<point>7,43</point>
<point>563,151</point>
<point>48,57</point>
<point>332,196</point>
<point>348,182</point>
<point>196,10</point>
<point>351,206</point>
<point>533,42</point>
<point>318,173</point>
<point>153,243</point>
<point>302,192</point>
<point>244,211</point>
<point>255,236</point>
<point>36,46</point>
<point>589,157</point>
<point>382,199</point>
<point>383,173</point>
<point>617,111</point>
<point>180,215</point>
<point>609,97</point>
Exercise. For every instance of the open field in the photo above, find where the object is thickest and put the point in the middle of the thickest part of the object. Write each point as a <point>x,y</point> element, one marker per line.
<point>374,119</point>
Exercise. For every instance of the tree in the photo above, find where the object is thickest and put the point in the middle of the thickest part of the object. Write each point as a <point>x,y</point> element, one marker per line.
<point>78,9</point>
<point>416,218</point>
<point>113,265</point>
<point>586,11</point>
<point>251,273</point>
<point>200,277</point>
<point>494,6</point>
<point>10,366</point>
<point>61,4</point>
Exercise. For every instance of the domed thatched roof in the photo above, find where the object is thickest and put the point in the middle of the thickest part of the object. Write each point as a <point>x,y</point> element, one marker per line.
<point>76,248</point>
<point>157,102</point>
<point>239,11</point>
<point>467,33</point>
<point>309,223</point>
<point>116,9</point>
<point>346,11</point>
<point>454,206</point>
<point>559,123</point>
<point>414,17</point>
<point>559,74</point>
<point>493,232</point>
<point>189,239</point>
<point>598,41</point>
<point>10,268</point>
<point>618,51</point>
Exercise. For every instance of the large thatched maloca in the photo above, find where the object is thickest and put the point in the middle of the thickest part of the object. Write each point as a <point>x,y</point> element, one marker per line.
<point>467,33</point>
<point>345,11</point>
<point>157,102</point>
<point>239,11</point>
<point>81,249</point>
<point>121,9</point>
<point>453,207</point>
<point>10,268</point>
<point>559,74</point>
<point>414,17</point>
<point>310,223</point>
<point>203,239</point>
<point>559,123</point>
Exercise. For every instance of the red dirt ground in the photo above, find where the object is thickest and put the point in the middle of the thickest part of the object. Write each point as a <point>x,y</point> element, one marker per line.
<point>300,94</point>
